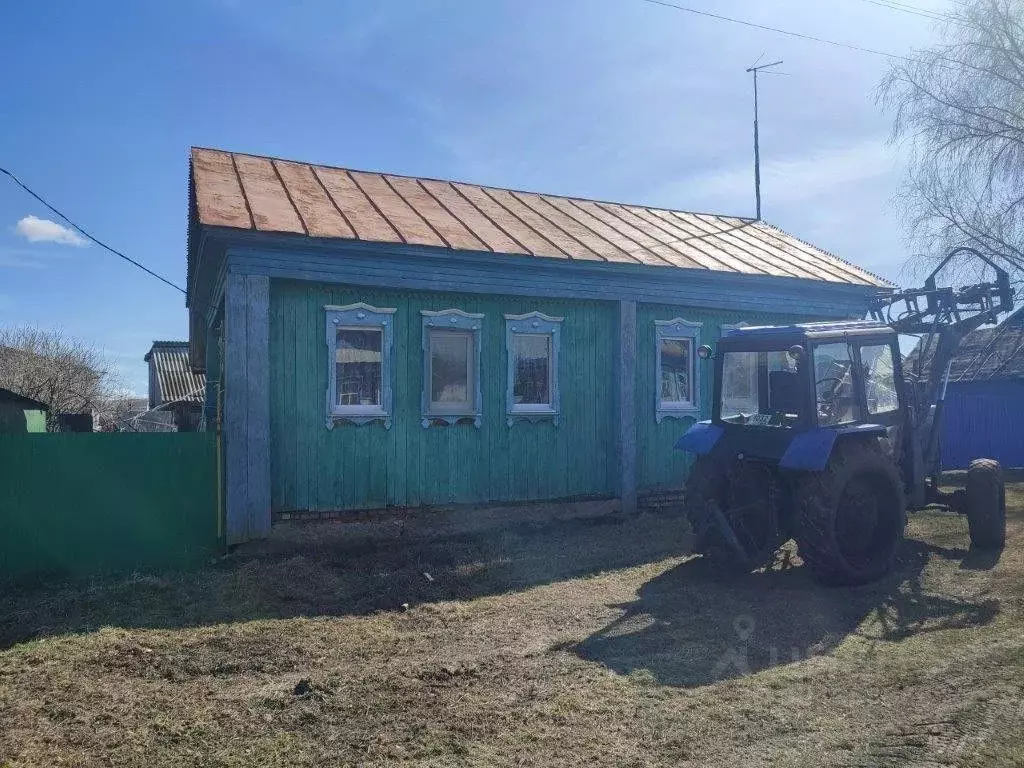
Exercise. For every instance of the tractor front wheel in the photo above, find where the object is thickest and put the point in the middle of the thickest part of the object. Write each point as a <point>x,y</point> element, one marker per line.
<point>986,504</point>
<point>850,516</point>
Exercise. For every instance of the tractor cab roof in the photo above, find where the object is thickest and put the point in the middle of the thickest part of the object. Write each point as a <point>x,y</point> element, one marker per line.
<point>810,331</point>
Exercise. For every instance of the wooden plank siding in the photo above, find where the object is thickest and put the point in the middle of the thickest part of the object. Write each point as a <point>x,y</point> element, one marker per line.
<point>368,466</point>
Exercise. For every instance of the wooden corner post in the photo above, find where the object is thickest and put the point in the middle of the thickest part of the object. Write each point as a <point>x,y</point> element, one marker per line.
<point>626,443</point>
<point>246,378</point>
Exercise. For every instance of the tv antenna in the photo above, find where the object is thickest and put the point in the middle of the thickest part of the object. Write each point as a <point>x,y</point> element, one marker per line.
<point>755,68</point>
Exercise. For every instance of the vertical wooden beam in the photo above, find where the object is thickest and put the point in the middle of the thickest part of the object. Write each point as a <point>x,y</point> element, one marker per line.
<point>258,402</point>
<point>246,406</point>
<point>626,443</point>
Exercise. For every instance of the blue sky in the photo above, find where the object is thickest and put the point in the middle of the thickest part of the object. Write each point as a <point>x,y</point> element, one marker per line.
<point>613,99</point>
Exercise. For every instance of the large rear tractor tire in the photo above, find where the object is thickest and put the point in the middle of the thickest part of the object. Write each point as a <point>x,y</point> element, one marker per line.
<point>850,516</point>
<point>747,495</point>
<point>986,504</point>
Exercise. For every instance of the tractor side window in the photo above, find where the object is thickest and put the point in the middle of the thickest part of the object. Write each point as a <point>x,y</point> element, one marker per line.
<point>879,378</point>
<point>833,384</point>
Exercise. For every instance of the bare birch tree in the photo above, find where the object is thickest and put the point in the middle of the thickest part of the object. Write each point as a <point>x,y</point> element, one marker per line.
<point>959,108</point>
<point>67,374</point>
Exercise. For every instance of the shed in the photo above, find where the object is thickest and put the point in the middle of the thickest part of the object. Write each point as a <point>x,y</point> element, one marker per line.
<point>386,340</point>
<point>175,386</point>
<point>984,409</point>
<point>21,414</point>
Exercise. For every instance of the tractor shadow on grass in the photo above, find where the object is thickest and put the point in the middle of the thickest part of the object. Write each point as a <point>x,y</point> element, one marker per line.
<point>692,626</point>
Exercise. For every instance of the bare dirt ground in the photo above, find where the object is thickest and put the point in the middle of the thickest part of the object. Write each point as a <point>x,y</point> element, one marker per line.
<point>573,643</point>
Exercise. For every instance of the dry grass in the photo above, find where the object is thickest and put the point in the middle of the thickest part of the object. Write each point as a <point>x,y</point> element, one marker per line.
<point>569,644</point>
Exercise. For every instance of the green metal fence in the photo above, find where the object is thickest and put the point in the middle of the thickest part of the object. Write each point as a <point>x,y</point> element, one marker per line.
<point>84,504</point>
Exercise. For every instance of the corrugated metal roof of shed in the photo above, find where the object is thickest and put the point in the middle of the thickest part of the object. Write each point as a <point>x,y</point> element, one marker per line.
<point>986,354</point>
<point>265,194</point>
<point>178,382</point>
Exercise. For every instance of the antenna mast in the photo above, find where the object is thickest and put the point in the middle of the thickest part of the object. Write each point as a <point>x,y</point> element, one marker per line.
<point>757,149</point>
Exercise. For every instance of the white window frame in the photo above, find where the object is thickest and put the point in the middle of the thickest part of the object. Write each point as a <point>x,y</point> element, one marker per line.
<point>532,324</point>
<point>452,319</point>
<point>680,329</point>
<point>356,316</point>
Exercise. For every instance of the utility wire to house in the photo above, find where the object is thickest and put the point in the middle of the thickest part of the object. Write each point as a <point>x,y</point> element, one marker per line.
<point>895,5</point>
<point>778,30</point>
<point>86,234</point>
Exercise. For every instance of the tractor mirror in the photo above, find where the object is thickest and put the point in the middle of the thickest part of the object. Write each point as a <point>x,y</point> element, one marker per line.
<point>796,351</point>
<point>704,352</point>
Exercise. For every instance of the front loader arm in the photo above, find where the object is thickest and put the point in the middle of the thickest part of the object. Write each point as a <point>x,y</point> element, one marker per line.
<point>942,317</point>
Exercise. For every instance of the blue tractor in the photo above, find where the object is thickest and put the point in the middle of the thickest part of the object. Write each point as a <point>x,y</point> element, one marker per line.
<point>822,434</point>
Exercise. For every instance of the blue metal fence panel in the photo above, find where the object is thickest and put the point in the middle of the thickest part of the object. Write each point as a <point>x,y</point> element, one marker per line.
<point>984,419</point>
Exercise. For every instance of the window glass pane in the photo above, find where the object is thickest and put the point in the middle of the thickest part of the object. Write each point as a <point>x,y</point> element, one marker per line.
<point>833,383</point>
<point>451,355</point>
<point>675,371</point>
<point>879,378</point>
<point>739,384</point>
<point>358,359</point>
<point>766,383</point>
<point>532,384</point>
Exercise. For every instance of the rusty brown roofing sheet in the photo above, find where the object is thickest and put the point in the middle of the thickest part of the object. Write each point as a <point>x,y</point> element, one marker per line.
<point>271,206</point>
<point>319,214</point>
<point>270,195</point>
<point>218,192</point>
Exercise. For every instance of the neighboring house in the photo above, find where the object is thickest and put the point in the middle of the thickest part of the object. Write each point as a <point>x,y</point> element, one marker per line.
<point>174,387</point>
<point>984,409</point>
<point>384,340</point>
<point>21,414</point>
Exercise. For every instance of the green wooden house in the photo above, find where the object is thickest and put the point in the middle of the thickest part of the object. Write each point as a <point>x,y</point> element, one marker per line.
<point>21,414</point>
<point>373,340</point>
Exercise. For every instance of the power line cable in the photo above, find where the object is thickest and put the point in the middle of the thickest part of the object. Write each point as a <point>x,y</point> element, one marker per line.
<point>94,239</point>
<point>893,5</point>
<point>777,30</point>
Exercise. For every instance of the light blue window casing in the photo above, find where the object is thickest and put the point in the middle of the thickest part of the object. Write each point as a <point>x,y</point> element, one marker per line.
<point>534,326</point>
<point>454,393</point>
<point>368,397</point>
<point>677,384</point>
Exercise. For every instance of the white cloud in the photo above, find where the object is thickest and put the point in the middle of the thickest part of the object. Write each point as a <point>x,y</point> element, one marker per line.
<point>37,230</point>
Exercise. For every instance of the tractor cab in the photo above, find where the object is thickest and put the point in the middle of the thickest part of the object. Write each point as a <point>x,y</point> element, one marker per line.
<point>785,393</point>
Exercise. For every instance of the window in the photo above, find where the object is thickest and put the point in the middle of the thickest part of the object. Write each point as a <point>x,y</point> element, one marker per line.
<point>532,341</point>
<point>451,367</point>
<point>879,378</point>
<point>833,384</point>
<point>359,364</point>
<point>739,379</point>
<point>676,372</point>
<point>762,387</point>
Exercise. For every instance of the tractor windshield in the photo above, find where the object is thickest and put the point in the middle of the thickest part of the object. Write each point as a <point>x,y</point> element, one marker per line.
<point>761,388</point>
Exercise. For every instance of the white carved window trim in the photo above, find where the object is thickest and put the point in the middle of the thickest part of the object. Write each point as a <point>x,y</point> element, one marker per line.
<point>533,324</point>
<point>359,315</point>
<point>452,319</point>
<point>677,328</point>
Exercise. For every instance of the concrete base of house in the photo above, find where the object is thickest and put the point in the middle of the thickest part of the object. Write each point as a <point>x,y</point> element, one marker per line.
<point>428,521</point>
<point>461,518</point>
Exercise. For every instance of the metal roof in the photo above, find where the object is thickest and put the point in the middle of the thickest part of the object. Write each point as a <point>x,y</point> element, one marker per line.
<point>987,354</point>
<point>263,194</point>
<point>177,381</point>
<point>9,396</point>
<point>827,328</point>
